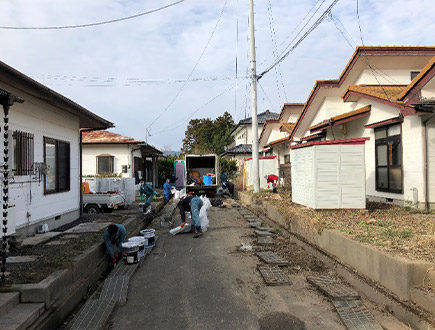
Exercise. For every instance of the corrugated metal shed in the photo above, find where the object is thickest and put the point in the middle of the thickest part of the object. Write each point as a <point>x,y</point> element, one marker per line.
<point>329,174</point>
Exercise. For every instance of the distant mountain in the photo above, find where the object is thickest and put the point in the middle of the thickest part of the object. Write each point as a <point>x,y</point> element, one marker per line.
<point>171,152</point>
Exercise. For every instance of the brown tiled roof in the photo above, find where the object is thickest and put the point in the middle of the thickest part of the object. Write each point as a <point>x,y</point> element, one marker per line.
<point>347,115</point>
<point>417,79</point>
<point>287,127</point>
<point>107,137</point>
<point>384,92</point>
<point>361,51</point>
<point>286,138</point>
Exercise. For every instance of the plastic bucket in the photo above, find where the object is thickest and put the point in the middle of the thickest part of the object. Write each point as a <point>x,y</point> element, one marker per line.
<point>140,240</point>
<point>141,206</point>
<point>149,234</point>
<point>130,252</point>
<point>207,180</point>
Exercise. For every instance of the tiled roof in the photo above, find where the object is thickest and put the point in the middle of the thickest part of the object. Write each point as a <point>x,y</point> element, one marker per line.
<point>278,141</point>
<point>342,117</point>
<point>362,51</point>
<point>261,117</point>
<point>239,149</point>
<point>418,78</point>
<point>384,92</point>
<point>287,127</point>
<point>107,137</point>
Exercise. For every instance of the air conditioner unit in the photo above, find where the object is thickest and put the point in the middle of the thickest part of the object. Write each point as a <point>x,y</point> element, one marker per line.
<point>11,220</point>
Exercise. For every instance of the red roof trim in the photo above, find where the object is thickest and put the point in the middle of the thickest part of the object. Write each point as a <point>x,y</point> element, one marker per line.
<point>385,122</point>
<point>364,51</point>
<point>314,136</point>
<point>331,142</point>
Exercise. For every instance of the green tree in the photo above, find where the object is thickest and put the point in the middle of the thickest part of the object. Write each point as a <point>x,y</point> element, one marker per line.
<point>208,136</point>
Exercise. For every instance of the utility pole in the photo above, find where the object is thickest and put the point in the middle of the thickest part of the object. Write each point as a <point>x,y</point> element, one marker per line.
<point>255,161</point>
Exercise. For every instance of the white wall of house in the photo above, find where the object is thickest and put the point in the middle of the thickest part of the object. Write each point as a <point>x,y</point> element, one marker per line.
<point>122,154</point>
<point>428,91</point>
<point>243,134</point>
<point>27,193</point>
<point>412,148</point>
<point>385,77</point>
<point>331,106</point>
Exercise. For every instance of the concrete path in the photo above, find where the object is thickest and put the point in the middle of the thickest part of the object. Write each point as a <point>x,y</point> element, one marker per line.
<point>204,283</point>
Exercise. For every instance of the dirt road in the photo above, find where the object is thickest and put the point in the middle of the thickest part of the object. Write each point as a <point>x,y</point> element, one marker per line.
<point>206,283</point>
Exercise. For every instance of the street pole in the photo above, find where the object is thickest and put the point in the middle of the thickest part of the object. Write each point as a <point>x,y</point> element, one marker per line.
<point>255,161</point>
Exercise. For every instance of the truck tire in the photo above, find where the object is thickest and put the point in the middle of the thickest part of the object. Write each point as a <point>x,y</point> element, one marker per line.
<point>92,209</point>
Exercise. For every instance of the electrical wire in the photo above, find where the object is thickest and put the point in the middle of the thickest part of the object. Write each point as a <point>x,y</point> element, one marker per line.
<point>278,73</point>
<point>267,97</point>
<point>181,122</point>
<point>191,72</point>
<point>89,24</point>
<point>311,29</point>
<point>293,31</point>
<point>112,82</point>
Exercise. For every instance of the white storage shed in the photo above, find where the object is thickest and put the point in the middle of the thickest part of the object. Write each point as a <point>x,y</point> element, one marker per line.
<point>329,174</point>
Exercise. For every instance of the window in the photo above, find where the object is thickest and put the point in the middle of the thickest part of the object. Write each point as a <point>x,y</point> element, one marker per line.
<point>105,164</point>
<point>286,159</point>
<point>388,159</point>
<point>22,153</point>
<point>414,74</point>
<point>57,158</point>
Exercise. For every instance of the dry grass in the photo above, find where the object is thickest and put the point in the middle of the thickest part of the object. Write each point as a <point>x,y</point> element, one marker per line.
<point>398,230</point>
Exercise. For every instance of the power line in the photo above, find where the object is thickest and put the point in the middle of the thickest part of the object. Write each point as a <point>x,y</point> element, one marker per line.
<point>89,24</point>
<point>311,29</point>
<point>128,81</point>
<point>194,68</point>
<point>293,31</point>
<point>181,122</point>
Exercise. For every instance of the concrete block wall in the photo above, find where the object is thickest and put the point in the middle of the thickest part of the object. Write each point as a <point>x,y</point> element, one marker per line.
<point>397,274</point>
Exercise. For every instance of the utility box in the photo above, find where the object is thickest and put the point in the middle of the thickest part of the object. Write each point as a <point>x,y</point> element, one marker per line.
<point>329,174</point>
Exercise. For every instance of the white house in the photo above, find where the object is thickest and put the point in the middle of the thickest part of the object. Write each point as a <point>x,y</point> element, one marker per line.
<point>106,152</point>
<point>275,138</point>
<point>368,101</point>
<point>43,160</point>
<point>242,133</point>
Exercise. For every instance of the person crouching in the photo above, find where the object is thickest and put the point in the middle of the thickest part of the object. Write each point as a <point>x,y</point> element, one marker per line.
<point>114,235</point>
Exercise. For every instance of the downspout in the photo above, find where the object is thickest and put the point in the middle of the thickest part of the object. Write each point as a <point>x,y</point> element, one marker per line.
<point>426,170</point>
<point>81,164</point>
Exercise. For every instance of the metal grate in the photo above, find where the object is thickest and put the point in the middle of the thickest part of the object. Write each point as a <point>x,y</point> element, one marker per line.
<point>273,275</point>
<point>355,315</point>
<point>271,258</point>
<point>333,289</point>
<point>264,241</point>
<point>115,288</point>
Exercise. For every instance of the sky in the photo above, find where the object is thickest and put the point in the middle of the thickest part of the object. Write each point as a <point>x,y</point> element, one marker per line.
<point>151,74</point>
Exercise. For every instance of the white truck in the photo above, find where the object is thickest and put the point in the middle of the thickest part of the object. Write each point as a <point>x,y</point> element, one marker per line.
<point>102,202</point>
<point>201,173</point>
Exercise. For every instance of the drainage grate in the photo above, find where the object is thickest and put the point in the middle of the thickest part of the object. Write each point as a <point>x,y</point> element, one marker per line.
<point>263,233</point>
<point>273,275</point>
<point>333,289</point>
<point>94,314</point>
<point>115,288</point>
<point>271,258</point>
<point>355,315</point>
<point>264,241</point>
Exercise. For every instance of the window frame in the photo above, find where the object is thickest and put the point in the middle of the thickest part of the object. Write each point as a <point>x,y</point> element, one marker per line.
<point>111,164</point>
<point>388,140</point>
<point>23,153</point>
<point>58,188</point>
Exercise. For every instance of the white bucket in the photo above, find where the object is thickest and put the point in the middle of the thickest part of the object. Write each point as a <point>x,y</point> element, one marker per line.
<point>141,206</point>
<point>149,234</point>
<point>130,251</point>
<point>141,241</point>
